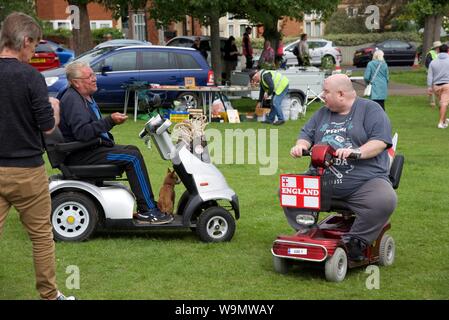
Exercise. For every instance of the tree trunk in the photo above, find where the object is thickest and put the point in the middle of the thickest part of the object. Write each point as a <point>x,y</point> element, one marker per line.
<point>82,37</point>
<point>427,37</point>
<point>437,27</point>
<point>215,46</point>
<point>432,28</point>
<point>272,34</point>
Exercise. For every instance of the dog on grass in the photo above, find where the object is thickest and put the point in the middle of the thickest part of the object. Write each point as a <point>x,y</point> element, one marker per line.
<point>166,200</point>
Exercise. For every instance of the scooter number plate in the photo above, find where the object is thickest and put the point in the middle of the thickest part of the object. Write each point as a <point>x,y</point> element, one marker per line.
<point>298,251</point>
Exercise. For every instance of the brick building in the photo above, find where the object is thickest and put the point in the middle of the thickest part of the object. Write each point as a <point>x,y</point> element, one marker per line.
<point>54,11</point>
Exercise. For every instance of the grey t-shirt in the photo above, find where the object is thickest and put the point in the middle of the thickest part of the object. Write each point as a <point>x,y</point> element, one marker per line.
<point>366,121</point>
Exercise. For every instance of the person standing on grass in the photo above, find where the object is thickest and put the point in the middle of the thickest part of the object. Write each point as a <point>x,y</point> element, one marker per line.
<point>231,58</point>
<point>247,49</point>
<point>26,113</point>
<point>438,83</point>
<point>376,74</point>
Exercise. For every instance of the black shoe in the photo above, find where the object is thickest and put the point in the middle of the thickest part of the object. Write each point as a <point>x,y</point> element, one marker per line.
<point>154,216</point>
<point>266,122</point>
<point>279,122</point>
<point>356,248</point>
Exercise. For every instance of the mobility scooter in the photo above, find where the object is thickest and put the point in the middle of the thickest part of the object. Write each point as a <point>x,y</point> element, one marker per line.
<point>89,197</point>
<point>321,242</point>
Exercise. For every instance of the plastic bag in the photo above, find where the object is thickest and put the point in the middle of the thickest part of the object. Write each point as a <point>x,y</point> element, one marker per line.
<point>367,91</point>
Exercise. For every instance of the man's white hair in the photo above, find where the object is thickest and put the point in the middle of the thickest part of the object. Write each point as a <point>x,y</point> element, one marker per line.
<point>73,70</point>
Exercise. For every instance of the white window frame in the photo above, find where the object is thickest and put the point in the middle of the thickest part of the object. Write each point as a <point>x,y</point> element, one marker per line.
<point>139,26</point>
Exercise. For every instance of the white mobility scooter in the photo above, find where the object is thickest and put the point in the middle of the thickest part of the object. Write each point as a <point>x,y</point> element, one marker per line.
<point>87,198</point>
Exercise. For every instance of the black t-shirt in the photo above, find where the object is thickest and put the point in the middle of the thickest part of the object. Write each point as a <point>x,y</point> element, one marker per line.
<point>24,113</point>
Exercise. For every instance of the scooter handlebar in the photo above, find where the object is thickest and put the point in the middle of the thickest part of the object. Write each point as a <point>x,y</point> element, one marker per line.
<point>143,133</point>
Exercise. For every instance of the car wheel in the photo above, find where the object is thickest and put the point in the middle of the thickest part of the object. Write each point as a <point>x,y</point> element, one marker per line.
<point>189,100</point>
<point>297,103</point>
<point>74,216</point>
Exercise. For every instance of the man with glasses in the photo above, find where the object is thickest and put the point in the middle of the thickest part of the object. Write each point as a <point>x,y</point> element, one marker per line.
<point>81,121</point>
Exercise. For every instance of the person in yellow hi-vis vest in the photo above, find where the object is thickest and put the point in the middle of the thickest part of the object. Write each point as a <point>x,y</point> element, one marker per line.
<point>275,84</point>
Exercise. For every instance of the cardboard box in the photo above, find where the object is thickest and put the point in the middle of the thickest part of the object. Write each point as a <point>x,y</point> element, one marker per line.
<point>262,111</point>
<point>189,82</point>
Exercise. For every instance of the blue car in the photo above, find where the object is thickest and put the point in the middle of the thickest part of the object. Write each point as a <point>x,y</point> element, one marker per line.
<point>65,55</point>
<point>154,64</point>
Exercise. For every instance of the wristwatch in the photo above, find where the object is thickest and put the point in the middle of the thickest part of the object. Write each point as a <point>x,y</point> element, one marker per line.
<point>357,153</point>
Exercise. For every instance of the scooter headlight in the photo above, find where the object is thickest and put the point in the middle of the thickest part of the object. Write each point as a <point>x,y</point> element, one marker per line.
<point>305,219</point>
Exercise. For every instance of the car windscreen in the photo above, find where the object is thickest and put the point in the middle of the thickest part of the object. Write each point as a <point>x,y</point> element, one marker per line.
<point>89,56</point>
<point>43,47</point>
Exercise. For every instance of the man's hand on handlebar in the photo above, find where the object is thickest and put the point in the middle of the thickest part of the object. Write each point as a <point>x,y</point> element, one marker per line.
<point>298,151</point>
<point>344,153</point>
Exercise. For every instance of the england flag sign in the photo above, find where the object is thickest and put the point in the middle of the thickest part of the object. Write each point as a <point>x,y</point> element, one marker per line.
<point>300,191</point>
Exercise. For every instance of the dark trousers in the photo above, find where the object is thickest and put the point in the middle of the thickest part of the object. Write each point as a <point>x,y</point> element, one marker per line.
<point>249,62</point>
<point>128,157</point>
<point>381,103</point>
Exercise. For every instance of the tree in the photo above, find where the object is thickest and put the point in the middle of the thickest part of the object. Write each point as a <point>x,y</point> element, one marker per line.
<point>82,37</point>
<point>269,12</point>
<point>207,12</point>
<point>432,12</point>
<point>9,6</point>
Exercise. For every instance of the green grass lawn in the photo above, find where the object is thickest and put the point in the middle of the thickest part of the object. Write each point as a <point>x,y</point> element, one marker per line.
<point>415,77</point>
<point>176,265</point>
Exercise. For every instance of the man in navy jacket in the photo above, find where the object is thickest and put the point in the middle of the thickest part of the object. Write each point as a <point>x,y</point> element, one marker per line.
<point>81,121</point>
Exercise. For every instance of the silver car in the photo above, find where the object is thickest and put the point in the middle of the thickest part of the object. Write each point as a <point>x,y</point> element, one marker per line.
<point>320,50</point>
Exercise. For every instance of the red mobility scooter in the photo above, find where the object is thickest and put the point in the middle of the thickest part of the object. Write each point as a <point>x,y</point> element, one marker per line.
<point>321,242</point>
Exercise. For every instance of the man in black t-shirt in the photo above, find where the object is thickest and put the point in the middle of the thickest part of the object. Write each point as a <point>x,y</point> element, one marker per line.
<point>25,114</point>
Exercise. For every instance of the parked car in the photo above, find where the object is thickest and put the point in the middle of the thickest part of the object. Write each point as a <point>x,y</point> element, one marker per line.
<point>65,55</point>
<point>154,64</point>
<point>44,57</point>
<point>320,50</point>
<point>396,52</point>
<point>117,43</point>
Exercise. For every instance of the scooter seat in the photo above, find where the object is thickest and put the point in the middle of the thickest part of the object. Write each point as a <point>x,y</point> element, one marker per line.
<point>95,171</point>
<point>339,205</point>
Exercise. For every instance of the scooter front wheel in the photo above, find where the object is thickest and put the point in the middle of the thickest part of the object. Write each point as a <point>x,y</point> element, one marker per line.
<point>74,216</point>
<point>281,265</point>
<point>215,224</point>
<point>336,266</point>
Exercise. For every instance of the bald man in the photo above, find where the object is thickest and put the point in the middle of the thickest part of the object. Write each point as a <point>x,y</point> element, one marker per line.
<point>351,124</point>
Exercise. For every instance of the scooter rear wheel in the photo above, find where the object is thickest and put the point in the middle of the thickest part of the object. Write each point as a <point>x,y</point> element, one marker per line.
<point>386,250</point>
<point>215,224</point>
<point>74,216</point>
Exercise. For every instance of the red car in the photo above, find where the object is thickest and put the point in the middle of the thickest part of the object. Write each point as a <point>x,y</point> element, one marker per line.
<point>44,57</point>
